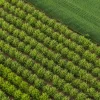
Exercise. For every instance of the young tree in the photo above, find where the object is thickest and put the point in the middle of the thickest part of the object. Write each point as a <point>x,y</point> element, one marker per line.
<point>44,96</point>
<point>48,76</point>
<point>39,83</point>
<point>81,96</point>
<point>17,94</point>
<point>25,97</point>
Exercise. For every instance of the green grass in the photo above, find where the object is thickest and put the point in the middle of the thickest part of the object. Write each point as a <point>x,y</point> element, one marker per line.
<point>79,15</point>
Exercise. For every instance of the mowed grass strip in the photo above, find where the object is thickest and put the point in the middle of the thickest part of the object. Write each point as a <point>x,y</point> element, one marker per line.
<point>81,16</point>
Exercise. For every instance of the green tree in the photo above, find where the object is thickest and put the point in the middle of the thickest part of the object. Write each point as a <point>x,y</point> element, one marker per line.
<point>25,97</point>
<point>39,83</point>
<point>65,52</point>
<point>20,4</point>
<point>44,96</point>
<point>67,88</point>
<point>17,94</point>
<point>48,75</point>
<point>81,96</point>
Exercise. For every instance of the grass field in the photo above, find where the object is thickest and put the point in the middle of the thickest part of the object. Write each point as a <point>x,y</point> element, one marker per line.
<point>79,15</point>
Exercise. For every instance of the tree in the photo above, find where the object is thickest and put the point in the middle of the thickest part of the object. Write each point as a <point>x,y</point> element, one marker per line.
<point>55,35</point>
<point>36,66</point>
<point>29,16</point>
<point>36,13</point>
<point>96,72</point>
<point>20,4</point>
<point>25,97</point>
<point>67,88</point>
<point>38,24</point>
<point>44,96</point>
<point>30,30</point>
<point>11,89</point>
<point>21,46</point>
<point>74,92</point>
<point>63,73</point>
<point>48,75</point>
<point>49,90</point>
<point>6,5</point>
<point>17,94</point>
<point>44,19</point>
<point>74,36</point>
<point>61,38</point>
<point>49,31</point>
<point>92,47</point>
<point>15,42</point>
<point>93,57</point>
<point>55,80</point>
<point>76,58</point>
<point>70,55</point>
<point>17,80</point>
<point>62,62</point>
<point>19,70</point>
<point>29,63</point>
<point>23,59</point>
<point>98,51</point>
<point>39,57</point>
<point>16,32</point>
<point>5,25</point>
<point>24,86</point>
<point>39,83</point>
<point>36,33</point>
<point>57,26</point>
<point>22,35</point>
<point>51,22</point>
<point>58,96</point>
<point>69,77</point>
<point>27,8</point>
<point>67,42</point>
<point>13,1</point>
<point>11,28</point>
<point>32,42</point>
<point>32,78</point>
<point>34,92</point>
<point>50,64</point>
<point>32,21</point>
<point>57,69</point>
<point>47,41</point>
<point>62,28</point>
<point>12,9</point>
<point>97,96</point>
<point>45,62</point>
<point>56,57</point>
<point>20,24</point>
<point>17,55</point>
<point>81,96</point>
<point>22,14</point>
<point>10,50</point>
<point>91,91</point>
<point>9,39</point>
<point>65,52</point>
<point>79,49</point>
<point>8,17</point>
<point>72,46</point>
<point>86,54</point>
<point>6,48</point>
<point>26,73</point>
<point>83,86</point>
<point>44,27</point>
<point>97,63</point>
<point>41,72</point>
